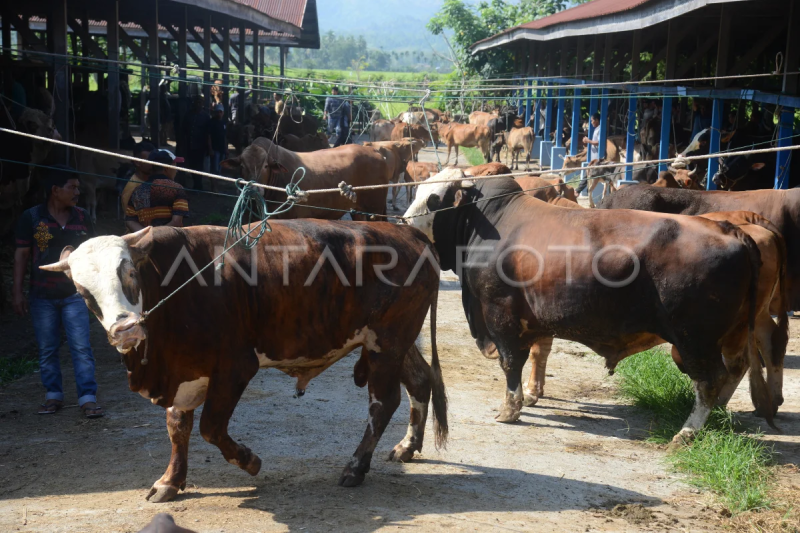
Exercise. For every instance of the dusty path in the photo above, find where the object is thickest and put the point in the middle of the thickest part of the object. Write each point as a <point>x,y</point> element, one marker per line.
<point>568,461</point>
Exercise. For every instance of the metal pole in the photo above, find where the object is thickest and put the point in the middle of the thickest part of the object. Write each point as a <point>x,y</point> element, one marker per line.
<point>548,117</point>
<point>242,67</point>
<point>593,104</point>
<point>714,143</point>
<point>226,65</point>
<point>183,86</point>
<point>255,65</point>
<point>207,58</point>
<point>560,117</point>
<point>114,99</point>
<point>631,140</point>
<point>786,130</point>
<point>576,122</point>
<point>666,123</point>
<point>528,103</point>
<point>601,150</point>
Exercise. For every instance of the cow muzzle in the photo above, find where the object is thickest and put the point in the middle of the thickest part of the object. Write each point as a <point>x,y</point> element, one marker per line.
<point>127,333</point>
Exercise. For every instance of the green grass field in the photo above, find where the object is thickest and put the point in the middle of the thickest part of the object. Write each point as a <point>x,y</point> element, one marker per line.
<point>473,155</point>
<point>12,368</point>
<point>735,466</point>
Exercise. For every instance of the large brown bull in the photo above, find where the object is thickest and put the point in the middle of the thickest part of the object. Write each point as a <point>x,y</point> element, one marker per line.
<point>615,282</point>
<point>267,163</point>
<point>397,155</point>
<point>274,306</point>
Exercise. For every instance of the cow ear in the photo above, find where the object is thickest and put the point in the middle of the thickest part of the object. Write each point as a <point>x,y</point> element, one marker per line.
<point>233,163</point>
<point>728,136</point>
<point>61,265</point>
<point>463,196</point>
<point>758,166</point>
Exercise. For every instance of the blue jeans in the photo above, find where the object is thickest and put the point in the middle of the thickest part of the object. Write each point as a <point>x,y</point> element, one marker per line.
<point>48,316</point>
<point>216,159</point>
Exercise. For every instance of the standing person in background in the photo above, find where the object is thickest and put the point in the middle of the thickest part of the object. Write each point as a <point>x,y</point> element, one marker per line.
<point>43,233</point>
<point>160,201</point>
<point>279,104</point>
<point>594,148</point>
<point>136,172</point>
<point>334,107</point>
<point>198,138</point>
<point>219,140</point>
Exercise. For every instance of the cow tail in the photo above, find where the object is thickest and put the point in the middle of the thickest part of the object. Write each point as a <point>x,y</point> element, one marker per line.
<point>780,336</point>
<point>759,392</point>
<point>437,384</point>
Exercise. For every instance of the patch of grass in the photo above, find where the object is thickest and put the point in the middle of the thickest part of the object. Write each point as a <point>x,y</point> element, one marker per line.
<point>473,155</point>
<point>12,368</point>
<point>214,219</point>
<point>735,466</point>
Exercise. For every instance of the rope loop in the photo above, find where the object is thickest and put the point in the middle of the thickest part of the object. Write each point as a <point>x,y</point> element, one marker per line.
<point>347,191</point>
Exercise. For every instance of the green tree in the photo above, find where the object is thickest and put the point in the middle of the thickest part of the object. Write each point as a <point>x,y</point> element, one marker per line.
<point>470,24</point>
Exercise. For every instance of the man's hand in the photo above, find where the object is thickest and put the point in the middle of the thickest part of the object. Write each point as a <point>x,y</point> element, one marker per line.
<point>586,140</point>
<point>19,303</point>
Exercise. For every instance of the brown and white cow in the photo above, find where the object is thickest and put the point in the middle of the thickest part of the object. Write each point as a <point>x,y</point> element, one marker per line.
<point>467,135</point>
<point>279,306</point>
<point>268,163</point>
<point>626,288</point>
<point>417,131</point>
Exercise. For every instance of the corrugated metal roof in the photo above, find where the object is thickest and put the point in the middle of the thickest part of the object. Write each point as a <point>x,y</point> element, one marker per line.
<point>290,11</point>
<point>595,8</point>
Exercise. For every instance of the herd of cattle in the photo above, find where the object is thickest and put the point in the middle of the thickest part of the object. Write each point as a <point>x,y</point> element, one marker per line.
<point>703,271</point>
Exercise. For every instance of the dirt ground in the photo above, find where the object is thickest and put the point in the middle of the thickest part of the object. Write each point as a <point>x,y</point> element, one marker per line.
<point>577,461</point>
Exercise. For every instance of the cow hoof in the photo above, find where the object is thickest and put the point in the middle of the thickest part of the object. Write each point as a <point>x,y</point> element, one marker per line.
<point>679,441</point>
<point>161,493</point>
<point>253,466</point>
<point>350,478</point>
<point>507,415</point>
<point>529,400</point>
<point>401,454</point>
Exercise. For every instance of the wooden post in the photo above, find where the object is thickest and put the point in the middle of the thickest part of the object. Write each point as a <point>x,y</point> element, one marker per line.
<point>723,47</point>
<point>593,105</point>
<point>792,57</point>
<point>242,67</point>
<point>282,53</point>
<point>143,83</point>
<point>672,50</point>
<point>183,86</point>
<point>226,64</point>
<point>155,75</point>
<point>636,52</point>
<point>61,75</point>
<point>7,33</point>
<point>207,58</point>
<point>783,163</point>
<point>256,57</point>
<point>114,97</point>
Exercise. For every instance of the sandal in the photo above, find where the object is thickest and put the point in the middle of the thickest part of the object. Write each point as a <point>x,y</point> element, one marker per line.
<point>92,410</point>
<point>50,407</point>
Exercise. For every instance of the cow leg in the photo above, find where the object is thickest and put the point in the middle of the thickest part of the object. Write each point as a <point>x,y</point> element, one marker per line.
<point>708,381</point>
<point>592,186</point>
<point>449,146</point>
<point>394,194</point>
<point>534,389</point>
<point>384,395</point>
<point>512,361</point>
<point>772,345</point>
<point>225,388</point>
<point>448,155</point>
<point>179,426</point>
<point>415,375</point>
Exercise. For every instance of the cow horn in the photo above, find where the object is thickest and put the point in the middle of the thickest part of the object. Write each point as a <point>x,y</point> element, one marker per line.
<point>693,172</point>
<point>466,184</point>
<point>60,266</point>
<point>132,239</point>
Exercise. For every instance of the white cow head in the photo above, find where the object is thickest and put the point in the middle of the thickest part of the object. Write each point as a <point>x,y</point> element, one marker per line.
<point>431,197</point>
<point>104,270</point>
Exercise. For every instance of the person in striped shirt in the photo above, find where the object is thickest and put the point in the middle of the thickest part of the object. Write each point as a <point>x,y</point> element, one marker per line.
<point>159,201</point>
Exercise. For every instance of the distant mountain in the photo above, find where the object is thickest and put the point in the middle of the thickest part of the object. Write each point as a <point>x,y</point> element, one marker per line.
<point>387,24</point>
